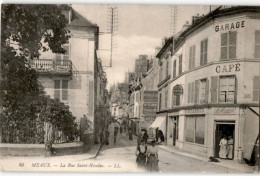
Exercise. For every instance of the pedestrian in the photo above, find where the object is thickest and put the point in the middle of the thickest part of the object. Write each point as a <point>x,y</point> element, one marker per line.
<point>223,148</point>
<point>139,138</point>
<point>130,134</point>
<point>145,136</point>
<point>141,154</point>
<point>107,137</point>
<point>160,135</point>
<point>152,157</point>
<point>115,133</point>
<point>230,147</point>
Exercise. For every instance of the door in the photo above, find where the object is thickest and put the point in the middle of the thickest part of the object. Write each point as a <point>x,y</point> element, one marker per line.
<point>224,129</point>
<point>175,129</point>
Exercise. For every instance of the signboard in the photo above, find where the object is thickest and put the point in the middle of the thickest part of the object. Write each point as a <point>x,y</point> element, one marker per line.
<point>228,68</point>
<point>230,26</point>
<point>177,90</point>
<point>150,96</point>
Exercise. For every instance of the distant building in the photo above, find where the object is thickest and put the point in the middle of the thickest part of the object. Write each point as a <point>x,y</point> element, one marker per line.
<point>141,66</point>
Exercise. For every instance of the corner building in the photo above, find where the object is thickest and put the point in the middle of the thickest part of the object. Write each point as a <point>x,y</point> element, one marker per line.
<point>216,60</point>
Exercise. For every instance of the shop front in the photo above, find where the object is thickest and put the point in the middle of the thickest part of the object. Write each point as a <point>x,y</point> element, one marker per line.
<point>159,124</point>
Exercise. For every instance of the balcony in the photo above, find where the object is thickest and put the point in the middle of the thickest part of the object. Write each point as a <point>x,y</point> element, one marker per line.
<point>52,66</point>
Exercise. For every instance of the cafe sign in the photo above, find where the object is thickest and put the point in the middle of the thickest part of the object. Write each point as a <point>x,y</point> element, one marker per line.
<point>177,90</point>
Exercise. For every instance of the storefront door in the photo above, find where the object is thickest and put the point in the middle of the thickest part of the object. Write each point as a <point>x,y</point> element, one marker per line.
<point>224,129</point>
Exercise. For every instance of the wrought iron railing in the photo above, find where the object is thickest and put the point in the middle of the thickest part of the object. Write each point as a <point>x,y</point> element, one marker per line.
<point>50,65</point>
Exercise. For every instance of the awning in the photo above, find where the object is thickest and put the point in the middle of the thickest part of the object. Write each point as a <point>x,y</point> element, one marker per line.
<point>251,131</point>
<point>160,122</point>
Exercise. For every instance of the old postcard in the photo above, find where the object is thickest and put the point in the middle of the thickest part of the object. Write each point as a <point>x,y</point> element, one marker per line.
<point>130,88</point>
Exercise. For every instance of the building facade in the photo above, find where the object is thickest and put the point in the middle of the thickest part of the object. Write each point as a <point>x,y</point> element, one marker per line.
<point>69,77</point>
<point>215,63</point>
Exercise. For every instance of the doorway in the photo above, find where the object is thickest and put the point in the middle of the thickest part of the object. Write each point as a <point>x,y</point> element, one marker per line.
<point>175,129</point>
<point>224,129</point>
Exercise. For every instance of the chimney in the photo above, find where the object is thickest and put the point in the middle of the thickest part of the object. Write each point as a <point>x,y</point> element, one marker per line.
<point>185,26</point>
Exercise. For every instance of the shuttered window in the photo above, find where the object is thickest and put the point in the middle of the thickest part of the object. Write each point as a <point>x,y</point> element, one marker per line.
<point>61,90</point>
<point>203,52</point>
<point>180,64</point>
<point>191,92</point>
<point>227,89</point>
<point>256,88</point>
<point>174,69</point>
<point>257,44</point>
<point>228,45</point>
<point>203,90</point>
<point>166,69</point>
<point>166,99</point>
<point>214,89</point>
<point>56,89</point>
<point>192,57</point>
<point>175,100</point>
<point>196,94</point>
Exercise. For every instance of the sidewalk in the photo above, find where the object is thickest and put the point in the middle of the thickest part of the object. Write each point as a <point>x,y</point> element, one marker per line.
<point>224,163</point>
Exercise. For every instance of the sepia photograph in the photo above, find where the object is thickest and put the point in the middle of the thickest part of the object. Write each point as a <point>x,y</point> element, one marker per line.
<point>130,88</point>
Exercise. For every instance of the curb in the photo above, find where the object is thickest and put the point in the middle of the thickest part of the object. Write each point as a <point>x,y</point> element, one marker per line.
<point>245,170</point>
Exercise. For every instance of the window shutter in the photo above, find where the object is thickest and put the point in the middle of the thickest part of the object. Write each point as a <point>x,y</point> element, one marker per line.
<point>206,51</point>
<point>207,91</point>
<point>193,59</point>
<point>257,44</point>
<point>64,89</point>
<point>223,50</point>
<point>56,89</point>
<point>196,98</point>
<point>256,85</point>
<point>173,100</point>
<point>190,56</point>
<point>189,92</point>
<point>174,69</point>
<point>201,52</point>
<point>232,45</point>
<point>192,91</point>
<point>178,100</point>
<point>180,64</point>
<point>214,89</point>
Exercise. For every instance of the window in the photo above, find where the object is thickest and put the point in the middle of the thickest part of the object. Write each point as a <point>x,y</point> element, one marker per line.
<point>227,89</point>
<point>203,91</point>
<point>195,129</point>
<point>166,69</point>
<point>192,57</point>
<point>203,52</point>
<point>256,86</point>
<point>191,92</point>
<point>66,56</point>
<point>175,100</point>
<point>174,69</point>
<point>228,45</point>
<point>166,98</point>
<point>257,44</point>
<point>180,64</point>
<point>160,101</point>
<point>61,90</point>
<point>160,74</point>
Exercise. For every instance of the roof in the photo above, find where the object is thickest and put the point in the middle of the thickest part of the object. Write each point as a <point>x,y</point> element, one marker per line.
<point>79,20</point>
<point>211,16</point>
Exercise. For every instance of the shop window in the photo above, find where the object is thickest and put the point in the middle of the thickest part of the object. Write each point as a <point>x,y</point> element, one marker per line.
<point>180,64</point>
<point>257,44</point>
<point>228,45</point>
<point>195,129</point>
<point>256,86</point>
<point>192,57</point>
<point>61,90</point>
<point>174,69</point>
<point>227,89</point>
<point>203,52</point>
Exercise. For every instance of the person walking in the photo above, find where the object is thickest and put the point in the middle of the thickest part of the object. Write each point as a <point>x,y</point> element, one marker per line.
<point>141,154</point>
<point>145,136</point>
<point>152,157</point>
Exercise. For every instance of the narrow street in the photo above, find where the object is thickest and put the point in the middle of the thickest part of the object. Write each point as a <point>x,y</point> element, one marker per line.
<point>124,153</point>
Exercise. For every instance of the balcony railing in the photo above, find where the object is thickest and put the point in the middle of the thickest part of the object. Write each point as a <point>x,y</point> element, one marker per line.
<point>52,66</point>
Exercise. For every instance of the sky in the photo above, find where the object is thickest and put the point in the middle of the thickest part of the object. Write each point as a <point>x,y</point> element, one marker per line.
<point>140,29</point>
